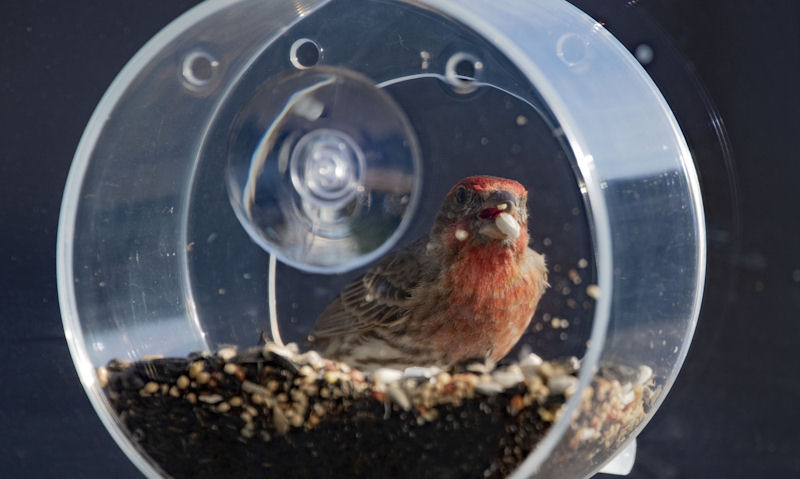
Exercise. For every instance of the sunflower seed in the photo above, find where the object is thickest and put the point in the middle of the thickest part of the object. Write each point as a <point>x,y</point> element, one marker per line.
<point>508,225</point>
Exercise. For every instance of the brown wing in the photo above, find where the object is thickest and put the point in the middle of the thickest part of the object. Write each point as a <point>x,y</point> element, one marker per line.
<point>382,297</point>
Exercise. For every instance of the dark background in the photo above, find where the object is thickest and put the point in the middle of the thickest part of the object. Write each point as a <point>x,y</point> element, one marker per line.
<point>734,410</point>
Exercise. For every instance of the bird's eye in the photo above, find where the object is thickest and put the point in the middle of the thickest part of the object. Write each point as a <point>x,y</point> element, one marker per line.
<point>461,195</point>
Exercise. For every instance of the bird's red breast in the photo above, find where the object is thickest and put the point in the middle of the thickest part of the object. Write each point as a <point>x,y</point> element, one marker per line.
<point>494,291</point>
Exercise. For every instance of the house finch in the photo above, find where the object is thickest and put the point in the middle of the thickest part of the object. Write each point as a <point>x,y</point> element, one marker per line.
<point>466,290</point>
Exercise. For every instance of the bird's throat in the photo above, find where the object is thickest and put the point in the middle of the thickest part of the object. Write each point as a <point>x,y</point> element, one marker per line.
<point>485,270</point>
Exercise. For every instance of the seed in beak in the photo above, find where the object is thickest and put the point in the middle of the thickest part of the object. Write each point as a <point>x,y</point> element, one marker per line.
<point>502,206</point>
<point>508,225</point>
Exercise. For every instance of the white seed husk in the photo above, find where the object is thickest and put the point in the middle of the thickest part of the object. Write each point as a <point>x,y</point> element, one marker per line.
<point>508,225</point>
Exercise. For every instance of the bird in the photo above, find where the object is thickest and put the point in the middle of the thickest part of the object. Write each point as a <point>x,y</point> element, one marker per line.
<point>466,290</point>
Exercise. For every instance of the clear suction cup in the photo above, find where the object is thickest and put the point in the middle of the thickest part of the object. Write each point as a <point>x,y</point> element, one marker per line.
<point>323,169</point>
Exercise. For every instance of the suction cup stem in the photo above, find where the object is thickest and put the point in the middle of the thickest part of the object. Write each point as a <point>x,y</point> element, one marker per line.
<point>323,169</point>
<point>327,168</point>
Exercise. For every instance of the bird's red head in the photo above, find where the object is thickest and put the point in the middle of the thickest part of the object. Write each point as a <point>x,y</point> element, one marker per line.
<point>483,183</point>
<point>483,210</point>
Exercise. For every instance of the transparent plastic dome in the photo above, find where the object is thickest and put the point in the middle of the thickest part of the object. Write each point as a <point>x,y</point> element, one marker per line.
<point>255,157</point>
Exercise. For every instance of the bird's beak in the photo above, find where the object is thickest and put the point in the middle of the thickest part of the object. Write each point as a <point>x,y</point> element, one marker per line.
<point>500,220</point>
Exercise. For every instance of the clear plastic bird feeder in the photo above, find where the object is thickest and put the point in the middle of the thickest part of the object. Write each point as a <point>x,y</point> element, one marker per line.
<point>322,134</point>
